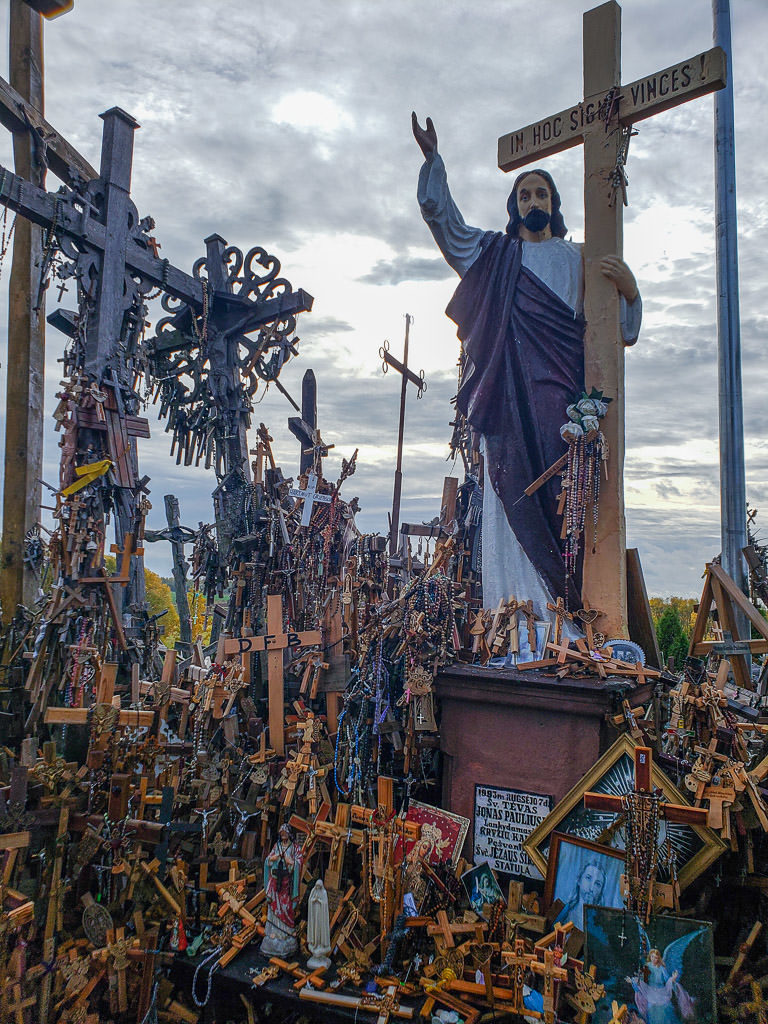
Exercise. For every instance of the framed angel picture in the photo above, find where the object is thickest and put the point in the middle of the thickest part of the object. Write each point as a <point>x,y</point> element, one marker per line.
<point>664,972</point>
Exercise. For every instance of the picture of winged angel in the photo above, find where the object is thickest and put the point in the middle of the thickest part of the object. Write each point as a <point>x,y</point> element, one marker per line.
<point>660,996</point>
<point>666,977</point>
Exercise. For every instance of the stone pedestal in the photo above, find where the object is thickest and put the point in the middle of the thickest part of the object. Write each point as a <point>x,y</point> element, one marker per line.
<point>522,730</point>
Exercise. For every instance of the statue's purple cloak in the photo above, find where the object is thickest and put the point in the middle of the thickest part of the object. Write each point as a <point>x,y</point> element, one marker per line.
<point>524,351</point>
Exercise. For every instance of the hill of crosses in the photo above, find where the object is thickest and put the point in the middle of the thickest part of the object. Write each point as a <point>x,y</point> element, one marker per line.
<point>425,773</point>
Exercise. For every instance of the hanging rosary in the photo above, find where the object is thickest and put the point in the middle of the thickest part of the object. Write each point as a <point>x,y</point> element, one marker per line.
<point>587,453</point>
<point>643,815</point>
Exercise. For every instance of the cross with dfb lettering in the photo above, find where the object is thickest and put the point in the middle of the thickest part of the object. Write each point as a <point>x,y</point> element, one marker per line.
<point>602,122</point>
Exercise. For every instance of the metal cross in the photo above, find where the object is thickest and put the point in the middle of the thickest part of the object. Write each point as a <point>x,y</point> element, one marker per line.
<point>309,496</point>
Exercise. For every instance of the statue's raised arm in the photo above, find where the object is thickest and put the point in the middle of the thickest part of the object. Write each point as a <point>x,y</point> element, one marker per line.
<point>426,137</point>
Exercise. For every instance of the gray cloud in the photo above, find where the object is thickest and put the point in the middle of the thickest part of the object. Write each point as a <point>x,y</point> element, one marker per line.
<point>407,268</point>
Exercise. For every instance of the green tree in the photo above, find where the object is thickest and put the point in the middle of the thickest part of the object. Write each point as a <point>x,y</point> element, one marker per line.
<point>672,636</point>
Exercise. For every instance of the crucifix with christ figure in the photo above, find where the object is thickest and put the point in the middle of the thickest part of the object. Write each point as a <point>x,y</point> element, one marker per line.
<point>602,122</point>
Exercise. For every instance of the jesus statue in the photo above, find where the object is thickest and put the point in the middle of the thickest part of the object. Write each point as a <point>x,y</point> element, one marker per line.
<point>518,308</point>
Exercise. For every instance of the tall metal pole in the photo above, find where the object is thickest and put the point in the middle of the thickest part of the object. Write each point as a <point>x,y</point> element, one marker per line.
<point>26,332</point>
<point>733,499</point>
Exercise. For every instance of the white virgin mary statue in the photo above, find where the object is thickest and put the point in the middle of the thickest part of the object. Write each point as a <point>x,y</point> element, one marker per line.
<point>318,927</point>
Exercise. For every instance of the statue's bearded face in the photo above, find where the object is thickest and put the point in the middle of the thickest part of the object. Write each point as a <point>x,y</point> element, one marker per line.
<point>534,202</point>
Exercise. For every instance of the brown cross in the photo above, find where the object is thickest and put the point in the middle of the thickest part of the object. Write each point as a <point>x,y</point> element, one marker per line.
<point>602,121</point>
<point>274,642</point>
<point>551,975</point>
<point>446,930</point>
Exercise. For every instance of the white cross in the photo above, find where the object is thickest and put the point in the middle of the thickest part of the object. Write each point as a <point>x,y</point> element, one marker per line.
<point>310,496</point>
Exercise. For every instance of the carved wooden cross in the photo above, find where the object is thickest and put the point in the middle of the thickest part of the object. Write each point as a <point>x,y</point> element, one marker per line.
<point>519,961</point>
<point>551,974</point>
<point>680,814</point>
<point>602,122</point>
<point>383,1005</point>
<point>17,1004</point>
<point>676,813</point>
<point>444,931</point>
<point>338,833</point>
<point>309,978</point>
<point>384,835</point>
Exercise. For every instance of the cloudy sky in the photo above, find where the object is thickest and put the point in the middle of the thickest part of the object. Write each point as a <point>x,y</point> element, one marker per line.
<point>287,125</point>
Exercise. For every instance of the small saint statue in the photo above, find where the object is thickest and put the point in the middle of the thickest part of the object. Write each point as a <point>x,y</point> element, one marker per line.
<point>282,873</point>
<point>318,927</point>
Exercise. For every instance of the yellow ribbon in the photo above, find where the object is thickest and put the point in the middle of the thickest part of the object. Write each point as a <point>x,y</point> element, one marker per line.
<point>87,474</point>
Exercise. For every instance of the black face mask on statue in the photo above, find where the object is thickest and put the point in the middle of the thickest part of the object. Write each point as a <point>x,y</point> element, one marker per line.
<point>536,220</point>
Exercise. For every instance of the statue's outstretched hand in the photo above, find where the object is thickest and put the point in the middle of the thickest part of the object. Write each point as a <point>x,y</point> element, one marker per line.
<point>616,270</point>
<point>426,137</point>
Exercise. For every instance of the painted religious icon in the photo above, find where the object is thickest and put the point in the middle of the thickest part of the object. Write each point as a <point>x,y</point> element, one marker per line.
<point>442,837</point>
<point>442,834</point>
<point>663,972</point>
<point>481,887</point>
<point>581,873</point>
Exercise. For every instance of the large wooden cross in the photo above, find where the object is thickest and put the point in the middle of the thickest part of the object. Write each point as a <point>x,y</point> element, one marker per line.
<point>274,642</point>
<point>599,122</point>
<point>680,814</point>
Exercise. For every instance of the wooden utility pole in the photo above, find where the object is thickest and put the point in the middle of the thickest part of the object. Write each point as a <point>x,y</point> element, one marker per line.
<point>601,122</point>
<point>25,366</point>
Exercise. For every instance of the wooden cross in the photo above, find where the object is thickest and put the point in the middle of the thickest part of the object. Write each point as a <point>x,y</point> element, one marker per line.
<point>274,642</point>
<point>303,978</point>
<point>309,495</point>
<point>618,1013</point>
<point>680,814</point>
<point>407,376</point>
<point>180,569</point>
<point>446,930</point>
<point>560,613</point>
<point>676,813</point>
<point>19,1005</point>
<point>338,833</point>
<point>519,961</point>
<point>395,828</point>
<point>602,122</point>
<point>310,829</point>
<point>551,975</point>
<point>383,1005</point>
<point>116,951</point>
<point>304,428</point>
